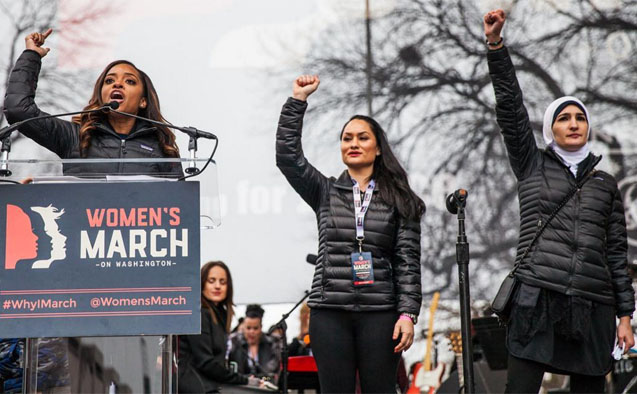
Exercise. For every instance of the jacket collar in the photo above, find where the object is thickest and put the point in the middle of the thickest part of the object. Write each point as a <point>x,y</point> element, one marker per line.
<point>220,312</point>
<point>583,168</point>
<point>141,127</point>
<point>264,341</point>
<point>344,181</point>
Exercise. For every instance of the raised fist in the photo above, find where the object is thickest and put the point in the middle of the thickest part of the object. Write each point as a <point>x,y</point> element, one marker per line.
<point>493,23</point>
<point>34,41</point>
<point>304,86</point>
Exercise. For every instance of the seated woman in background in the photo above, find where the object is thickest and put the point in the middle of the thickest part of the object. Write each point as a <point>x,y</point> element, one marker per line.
<point>202,363</point>
<point>253,351</point>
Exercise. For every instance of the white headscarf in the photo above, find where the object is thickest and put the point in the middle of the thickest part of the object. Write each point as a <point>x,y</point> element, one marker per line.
<point>571,159</point>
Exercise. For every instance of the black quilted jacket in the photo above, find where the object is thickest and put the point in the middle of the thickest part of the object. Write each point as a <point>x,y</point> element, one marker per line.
<point>393,241</point>
<point>62,137</point>
<point>582,252</point>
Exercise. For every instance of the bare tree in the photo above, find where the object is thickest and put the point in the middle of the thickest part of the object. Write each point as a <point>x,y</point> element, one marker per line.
<point>58,90</point>
<point>432,92</point>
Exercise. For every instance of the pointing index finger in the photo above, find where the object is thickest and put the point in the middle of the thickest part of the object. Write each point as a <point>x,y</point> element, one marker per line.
<point>47,33</point>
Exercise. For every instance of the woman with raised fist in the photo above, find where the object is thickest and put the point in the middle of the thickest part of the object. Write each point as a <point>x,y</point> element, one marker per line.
<point>99,134</point>
<point>571,257</point>
<point>366,294</point>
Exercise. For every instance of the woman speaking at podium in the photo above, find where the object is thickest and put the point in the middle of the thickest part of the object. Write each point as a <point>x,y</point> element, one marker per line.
<point>366,293</point>
<point>98,135</point>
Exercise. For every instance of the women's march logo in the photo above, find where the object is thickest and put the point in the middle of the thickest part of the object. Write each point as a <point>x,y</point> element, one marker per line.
<point>21,239</point>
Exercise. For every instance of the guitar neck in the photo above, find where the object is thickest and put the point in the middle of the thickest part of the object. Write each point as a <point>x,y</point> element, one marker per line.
<point>460,367</point>
<point>430,332</point>
<point>456,345</point>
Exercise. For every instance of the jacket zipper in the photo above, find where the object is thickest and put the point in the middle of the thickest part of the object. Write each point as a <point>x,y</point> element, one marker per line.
<point>122,152</point>
<point>575,239</point>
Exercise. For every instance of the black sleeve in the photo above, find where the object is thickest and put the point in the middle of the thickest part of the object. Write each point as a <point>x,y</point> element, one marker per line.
<point>57,135</point>
<point>617,246</point>
<point>406,266</point>
<point>302,176</point>
<point>511,114</point>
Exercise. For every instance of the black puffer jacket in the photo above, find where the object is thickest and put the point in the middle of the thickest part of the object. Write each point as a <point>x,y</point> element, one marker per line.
<point>202,358</point>
<point>393,241</point>
<point>582,252</point>
<point>62,137</point>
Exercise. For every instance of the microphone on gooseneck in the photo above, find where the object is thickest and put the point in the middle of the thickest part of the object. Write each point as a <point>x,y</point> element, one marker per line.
<point>111,105</point>
<point>191,131</point>
<point>6,131</point>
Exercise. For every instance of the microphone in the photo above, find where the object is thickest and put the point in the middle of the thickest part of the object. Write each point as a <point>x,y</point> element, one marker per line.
<point>7,130</point>
<point>456,200</point>
<point>111,105</point>
<point>311,258</point>
<point>191,131</point>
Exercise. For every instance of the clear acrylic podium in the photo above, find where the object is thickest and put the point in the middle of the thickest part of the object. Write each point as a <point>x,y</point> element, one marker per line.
<point>104,364</point>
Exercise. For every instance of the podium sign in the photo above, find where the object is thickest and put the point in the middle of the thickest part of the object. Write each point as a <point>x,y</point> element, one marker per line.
<point>99,259</point>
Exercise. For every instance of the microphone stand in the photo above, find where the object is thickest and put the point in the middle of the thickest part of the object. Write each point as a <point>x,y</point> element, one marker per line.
<point>192,155</point>
<point>455,205</point>
<point>192,132</point>
<point>283,380</point>
<point>4,157</point>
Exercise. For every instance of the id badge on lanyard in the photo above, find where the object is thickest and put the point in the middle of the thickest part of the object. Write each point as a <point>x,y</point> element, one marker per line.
<point>362,264</point>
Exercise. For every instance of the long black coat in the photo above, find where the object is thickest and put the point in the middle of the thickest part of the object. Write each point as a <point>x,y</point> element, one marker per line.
<point>393,241</point>
<point>62,137</point>
<point>583,250</point>
<point>202,358</point>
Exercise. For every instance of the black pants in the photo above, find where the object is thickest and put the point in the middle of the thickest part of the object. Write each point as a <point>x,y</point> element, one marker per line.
<point>346,342</point>
<point>525,376</point>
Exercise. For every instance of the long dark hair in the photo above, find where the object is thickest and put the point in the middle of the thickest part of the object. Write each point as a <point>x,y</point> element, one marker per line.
<point>227,303</point>
<point>391,176</point>
<point>152,111</point>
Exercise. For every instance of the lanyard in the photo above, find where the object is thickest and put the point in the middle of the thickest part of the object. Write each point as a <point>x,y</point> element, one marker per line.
<point>360,209</point>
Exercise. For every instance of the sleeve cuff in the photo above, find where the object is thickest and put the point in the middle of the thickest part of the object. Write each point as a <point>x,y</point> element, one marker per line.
<point>498,54</point>
<point>32,55</point>
<point>295,101</point>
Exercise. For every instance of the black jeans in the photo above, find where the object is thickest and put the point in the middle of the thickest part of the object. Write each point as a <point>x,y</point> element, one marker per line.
<point>525,376</point>
<point>345,342</point>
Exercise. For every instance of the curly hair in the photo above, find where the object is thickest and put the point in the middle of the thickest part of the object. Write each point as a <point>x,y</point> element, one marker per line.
<point>152,111</point>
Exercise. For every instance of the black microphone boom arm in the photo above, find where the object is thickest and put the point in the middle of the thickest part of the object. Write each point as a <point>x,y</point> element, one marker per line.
<point>6,131</point>
<point>193,132</point>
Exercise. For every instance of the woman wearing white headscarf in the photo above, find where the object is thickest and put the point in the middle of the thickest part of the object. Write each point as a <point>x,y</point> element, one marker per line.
<point>574,279</point>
